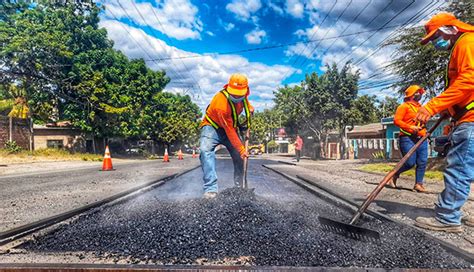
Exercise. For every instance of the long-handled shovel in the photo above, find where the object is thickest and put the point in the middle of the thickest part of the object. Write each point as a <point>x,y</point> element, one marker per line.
<point>246,160</point>
<point>364,234</point>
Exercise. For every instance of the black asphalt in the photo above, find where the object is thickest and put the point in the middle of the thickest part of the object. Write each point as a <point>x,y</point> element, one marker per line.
<point>275,225</point>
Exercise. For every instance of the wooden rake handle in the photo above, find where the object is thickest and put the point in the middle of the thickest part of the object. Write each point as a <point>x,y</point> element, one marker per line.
<point>390,175</point>
<point>246,160</point>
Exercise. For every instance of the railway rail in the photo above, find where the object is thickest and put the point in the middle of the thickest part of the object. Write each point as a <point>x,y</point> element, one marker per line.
<point>11,235</point>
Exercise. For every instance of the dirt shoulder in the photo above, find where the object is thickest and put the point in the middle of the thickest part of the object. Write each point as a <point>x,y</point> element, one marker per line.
<point>402,204</point>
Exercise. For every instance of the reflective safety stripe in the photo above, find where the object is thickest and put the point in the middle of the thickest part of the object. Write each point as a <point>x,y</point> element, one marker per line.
<point>405,132</point>
<point>247,112</point>
<point>213,124</point>
<point>470,106</point>
<point>235,117</point>
<point>446,76</point>
<point>232,106</point>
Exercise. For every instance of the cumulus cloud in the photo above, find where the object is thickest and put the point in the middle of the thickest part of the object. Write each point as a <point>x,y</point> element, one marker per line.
<point>295,8</point>
<point>174,18</point>
<point>243,9</point>
<point>255,36</point>
<point>205,75</point>
<point>363,49</point>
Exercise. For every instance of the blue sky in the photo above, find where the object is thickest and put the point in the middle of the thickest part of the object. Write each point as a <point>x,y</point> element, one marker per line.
<point>189,39</point>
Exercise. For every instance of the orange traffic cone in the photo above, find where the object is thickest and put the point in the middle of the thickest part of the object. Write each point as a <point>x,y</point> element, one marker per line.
<point>166,157</point>
<point>107,163</point>
<point>180,154</point>
<point>194,154</point>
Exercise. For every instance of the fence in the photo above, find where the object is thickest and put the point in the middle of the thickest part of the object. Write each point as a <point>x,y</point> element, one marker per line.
<point>15,129</point>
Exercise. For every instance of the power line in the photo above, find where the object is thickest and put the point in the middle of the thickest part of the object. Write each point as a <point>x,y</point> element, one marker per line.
<point>409,21</point>
<point>386,23</point>
<point>176,72</point>
<point>314,33</point>
<point>380,75</point>
<point>325,34</point>
<point>169,40</point>
<point>352,22</point>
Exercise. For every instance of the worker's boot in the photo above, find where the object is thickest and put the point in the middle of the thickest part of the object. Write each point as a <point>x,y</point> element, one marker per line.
<point>432,224</point>
<point>468,220</point>
<point>210,195</point>
<point>419,188</point>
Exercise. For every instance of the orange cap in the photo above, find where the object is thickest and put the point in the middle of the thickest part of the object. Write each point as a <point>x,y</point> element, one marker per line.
<point>412,90</point>
<point>444,19</point>
<point>238,85</point>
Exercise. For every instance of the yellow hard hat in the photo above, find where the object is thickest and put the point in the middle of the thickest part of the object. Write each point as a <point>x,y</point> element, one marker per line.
<point>412,90</point>
<point>238,85</point>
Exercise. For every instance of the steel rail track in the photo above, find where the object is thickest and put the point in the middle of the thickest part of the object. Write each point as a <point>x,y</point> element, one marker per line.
<point>11,235</point>
<point>338,199</point>
<point>176,268</point>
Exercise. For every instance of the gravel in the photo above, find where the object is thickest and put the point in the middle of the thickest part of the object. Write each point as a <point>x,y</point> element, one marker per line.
<point>238,227</point>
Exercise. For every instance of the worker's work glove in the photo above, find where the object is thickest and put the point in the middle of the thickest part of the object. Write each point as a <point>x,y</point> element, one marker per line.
<point>422,115</point>
<point>244,154</point>
<point>415,129</point>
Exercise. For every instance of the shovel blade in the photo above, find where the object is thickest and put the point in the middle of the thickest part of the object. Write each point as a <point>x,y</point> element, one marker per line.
<point>350,231</point>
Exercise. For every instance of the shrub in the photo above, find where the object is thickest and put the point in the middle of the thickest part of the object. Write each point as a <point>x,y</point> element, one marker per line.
<point>12,147</point>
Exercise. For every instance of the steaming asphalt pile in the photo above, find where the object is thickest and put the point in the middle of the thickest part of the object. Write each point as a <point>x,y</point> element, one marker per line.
<point>237,227</point>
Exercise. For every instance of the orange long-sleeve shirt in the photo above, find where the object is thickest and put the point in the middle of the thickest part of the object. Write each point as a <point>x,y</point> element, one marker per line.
<point>405,118</point>
<point>220,112</point>
<point>460,90</point>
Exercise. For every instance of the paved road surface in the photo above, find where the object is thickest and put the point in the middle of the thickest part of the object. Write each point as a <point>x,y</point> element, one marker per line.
<point>28,198</point>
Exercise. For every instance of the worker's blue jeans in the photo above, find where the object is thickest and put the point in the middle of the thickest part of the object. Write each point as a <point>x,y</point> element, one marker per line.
<point>458,175</point>
<point>210,138</point>
<point>420,157</point>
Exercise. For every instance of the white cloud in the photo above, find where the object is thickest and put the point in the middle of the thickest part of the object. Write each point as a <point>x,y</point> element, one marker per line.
<point>243,9</point>
<point>275,8</point>
<point>210,72</point>
<point>210,33</point>
<point>175,18</point>
<point>228,27</point>
<point>255,36</point>
<point>295,8</point>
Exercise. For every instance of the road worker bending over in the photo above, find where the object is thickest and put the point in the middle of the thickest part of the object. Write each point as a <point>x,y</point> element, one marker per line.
<point>445,32</point>
<point>219,126</point>
<point>410,133</point>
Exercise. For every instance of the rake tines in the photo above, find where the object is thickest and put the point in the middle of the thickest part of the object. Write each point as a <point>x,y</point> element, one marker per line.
<point>348,230</point>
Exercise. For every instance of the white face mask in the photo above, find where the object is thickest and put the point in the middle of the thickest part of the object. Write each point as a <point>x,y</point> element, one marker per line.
<point>236,100</point>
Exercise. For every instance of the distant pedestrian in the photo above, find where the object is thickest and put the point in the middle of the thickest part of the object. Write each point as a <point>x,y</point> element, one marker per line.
<point>410,132</point>
<point>219,126</point>
<point>446,32</point>
<point>298,147</point>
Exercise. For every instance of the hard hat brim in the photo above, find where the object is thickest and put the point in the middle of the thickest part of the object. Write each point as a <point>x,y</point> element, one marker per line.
<point>237,92</point>
<point>427,38</point>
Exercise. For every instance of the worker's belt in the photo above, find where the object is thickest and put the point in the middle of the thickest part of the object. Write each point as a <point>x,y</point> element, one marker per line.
<point>235,117</point>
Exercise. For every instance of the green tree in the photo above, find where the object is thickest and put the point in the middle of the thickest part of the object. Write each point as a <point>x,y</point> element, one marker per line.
<point>388,107</point>
<point>263,125</point>
<point>322,103</point>
<point>364,110</point>
<point>424,65</point>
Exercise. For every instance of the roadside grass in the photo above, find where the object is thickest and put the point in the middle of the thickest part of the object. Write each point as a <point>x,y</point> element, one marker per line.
<point>47,154</point>
<point>384,168</point>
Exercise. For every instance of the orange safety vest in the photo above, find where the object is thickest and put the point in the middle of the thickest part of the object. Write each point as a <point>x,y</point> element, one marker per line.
<point>223,113</point>
<point>458,98</point>
<point>405,118</point>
